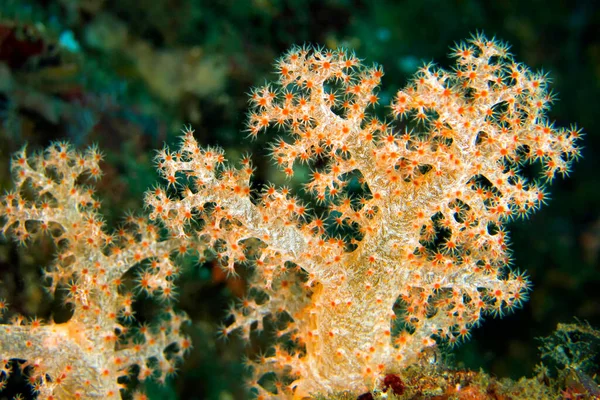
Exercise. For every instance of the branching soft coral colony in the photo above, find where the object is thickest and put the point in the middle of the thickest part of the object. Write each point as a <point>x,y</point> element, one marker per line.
<point>418,254</point>
<point>429,228</point>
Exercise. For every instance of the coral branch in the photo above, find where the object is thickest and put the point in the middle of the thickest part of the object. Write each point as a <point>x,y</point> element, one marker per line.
<point>85,356</point>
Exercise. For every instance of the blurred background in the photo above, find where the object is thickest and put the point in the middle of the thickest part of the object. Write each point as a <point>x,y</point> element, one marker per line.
<point>128,74</point>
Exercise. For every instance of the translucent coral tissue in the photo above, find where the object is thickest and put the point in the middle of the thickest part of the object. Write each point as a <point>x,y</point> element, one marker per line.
<point>406,246</point>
